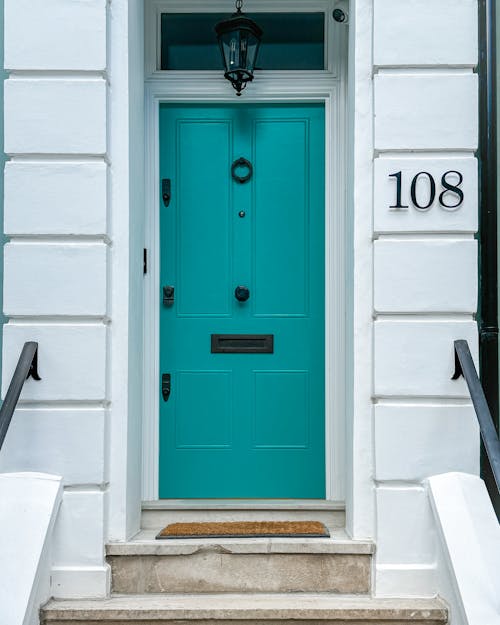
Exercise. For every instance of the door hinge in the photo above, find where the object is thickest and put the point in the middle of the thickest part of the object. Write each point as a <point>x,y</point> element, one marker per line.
<point>166,386</point>
<point>166,191</point>
<point>145,261</point>
<point>168,295</point>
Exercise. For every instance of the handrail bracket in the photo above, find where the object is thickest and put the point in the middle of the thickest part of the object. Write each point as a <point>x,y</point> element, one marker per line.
<point>33,370</point>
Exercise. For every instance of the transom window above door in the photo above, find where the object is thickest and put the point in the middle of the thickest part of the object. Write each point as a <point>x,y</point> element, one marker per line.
<point>291,41</point>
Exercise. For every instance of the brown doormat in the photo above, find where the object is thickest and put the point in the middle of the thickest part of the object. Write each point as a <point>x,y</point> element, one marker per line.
<point>246,529</point>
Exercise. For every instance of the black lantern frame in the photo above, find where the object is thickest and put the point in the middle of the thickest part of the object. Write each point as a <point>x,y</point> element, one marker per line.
<point>239,40</point>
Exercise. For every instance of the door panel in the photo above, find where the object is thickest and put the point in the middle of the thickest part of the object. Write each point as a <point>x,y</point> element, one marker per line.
<point>281,203</point>
<point>243,425</point>
<point>201,203</point>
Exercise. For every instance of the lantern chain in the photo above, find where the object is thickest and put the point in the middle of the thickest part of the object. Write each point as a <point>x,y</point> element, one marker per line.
<point>239,5</point>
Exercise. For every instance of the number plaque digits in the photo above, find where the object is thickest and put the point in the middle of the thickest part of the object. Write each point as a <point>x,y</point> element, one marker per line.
<point>398,205</point>
<point>450,187</point>
<point>432,191</point>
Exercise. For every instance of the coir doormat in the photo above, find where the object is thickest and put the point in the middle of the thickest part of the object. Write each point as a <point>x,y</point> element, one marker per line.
<point>246,529</point>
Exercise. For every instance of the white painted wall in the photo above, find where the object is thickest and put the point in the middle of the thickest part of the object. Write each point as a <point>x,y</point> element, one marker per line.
<point>75,218</point>
<point>424,275</point>
<point>57,267</point>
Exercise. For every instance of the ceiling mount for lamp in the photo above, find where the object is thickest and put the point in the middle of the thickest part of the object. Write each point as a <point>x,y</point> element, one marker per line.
<point>239,40</point>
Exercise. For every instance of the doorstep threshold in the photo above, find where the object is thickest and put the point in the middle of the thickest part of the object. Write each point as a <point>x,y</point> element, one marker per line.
<point>145,543</point>
<point>243,504</point>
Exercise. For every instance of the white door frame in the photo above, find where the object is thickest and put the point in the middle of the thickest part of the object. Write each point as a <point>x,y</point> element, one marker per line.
<point>327,87</point>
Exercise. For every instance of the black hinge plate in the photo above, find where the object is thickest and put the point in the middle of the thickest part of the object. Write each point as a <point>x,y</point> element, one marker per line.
<point>168,295</point>
<point>166,191</point>
<point>166,386</point>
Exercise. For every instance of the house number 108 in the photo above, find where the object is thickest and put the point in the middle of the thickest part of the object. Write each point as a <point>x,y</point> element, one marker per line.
<point>450,198</point>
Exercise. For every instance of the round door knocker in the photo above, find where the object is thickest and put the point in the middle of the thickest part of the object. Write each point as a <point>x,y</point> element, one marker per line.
<point>241,162</point>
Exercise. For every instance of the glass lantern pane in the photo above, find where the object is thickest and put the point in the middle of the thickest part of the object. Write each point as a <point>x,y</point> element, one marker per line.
<point>291,41</point>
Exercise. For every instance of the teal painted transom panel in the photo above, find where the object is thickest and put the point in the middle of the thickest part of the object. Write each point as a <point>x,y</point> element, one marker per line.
<point>243,425</point>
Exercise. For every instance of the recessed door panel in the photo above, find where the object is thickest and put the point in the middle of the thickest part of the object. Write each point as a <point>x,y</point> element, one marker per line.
<point>281,224</point>
<point>202,206</point>
<point>203,414</point>
<point>243,338</point>
<point>281,409</point>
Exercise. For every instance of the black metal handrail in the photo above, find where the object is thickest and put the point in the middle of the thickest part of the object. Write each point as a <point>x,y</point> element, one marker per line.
<point>464,365</point>
<point>27,367</point>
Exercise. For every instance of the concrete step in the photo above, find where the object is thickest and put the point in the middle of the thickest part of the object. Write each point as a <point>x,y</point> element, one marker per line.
<point>309,609</point>
<point>157,514</point>
<point>270,565</point>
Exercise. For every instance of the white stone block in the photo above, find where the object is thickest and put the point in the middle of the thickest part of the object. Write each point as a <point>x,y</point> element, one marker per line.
<point>55,279</point>
<point>415,442</point>
<point>405,532</point>
<point>426,111</point>
<point>64,442</point>
<point>405,580</point>
<point>421,276</point>
<point>469,537</point>
<point>55,35</point>
<point>79,532</point>
<point>55,198</point>
<point>55,116</point>
<point>30,503</point>
<point>419,32</point>
<point>68,582</point>
<point>71,360</point>
<point>437,218</point>
<point>417,358</point>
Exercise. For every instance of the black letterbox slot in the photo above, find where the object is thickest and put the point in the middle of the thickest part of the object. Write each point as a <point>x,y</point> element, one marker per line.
<point>242,343</point>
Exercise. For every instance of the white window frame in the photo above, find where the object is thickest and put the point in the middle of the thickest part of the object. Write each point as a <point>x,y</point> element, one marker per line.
<point>154,9</point>
<point>327,87</point>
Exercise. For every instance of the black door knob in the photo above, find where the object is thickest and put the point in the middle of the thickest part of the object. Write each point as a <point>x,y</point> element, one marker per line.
<point>241,293</point>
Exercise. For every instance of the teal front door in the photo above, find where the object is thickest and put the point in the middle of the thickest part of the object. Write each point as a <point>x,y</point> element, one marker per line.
<point>242,409</point>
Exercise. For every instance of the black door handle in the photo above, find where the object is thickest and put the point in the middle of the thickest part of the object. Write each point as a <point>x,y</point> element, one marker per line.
<point>241,293</point>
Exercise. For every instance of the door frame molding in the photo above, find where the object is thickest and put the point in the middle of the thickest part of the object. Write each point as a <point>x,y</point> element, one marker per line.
<point>269,87</point>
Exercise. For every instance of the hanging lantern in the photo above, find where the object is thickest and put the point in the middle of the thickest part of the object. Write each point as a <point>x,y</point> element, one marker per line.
<point>239,40</point>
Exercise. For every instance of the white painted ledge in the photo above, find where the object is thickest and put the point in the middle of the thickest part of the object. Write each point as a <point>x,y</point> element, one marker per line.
<point>30,502</point>
<point>469,536</point>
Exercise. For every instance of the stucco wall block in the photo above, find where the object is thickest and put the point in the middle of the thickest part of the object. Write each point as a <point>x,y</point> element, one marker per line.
<point>55,116</point>
<point>406,532</point>
<point>436,218</point>
<point>415,442</point>
<point>55,34</point>
<point>64,442</point>
<point>55,279</point>
<point>55,198</point>
<point>416,358</point>
<point>406,580</point>
<point>71,360</point>
<point>419,32</point>
<point>426,111</point>
<point>420,276</point>
<point>81,515</point>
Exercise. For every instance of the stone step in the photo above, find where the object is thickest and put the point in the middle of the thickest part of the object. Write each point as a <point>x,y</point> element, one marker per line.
<point>335,564</point>
<point>156,514</point>
<point>310,609</point>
